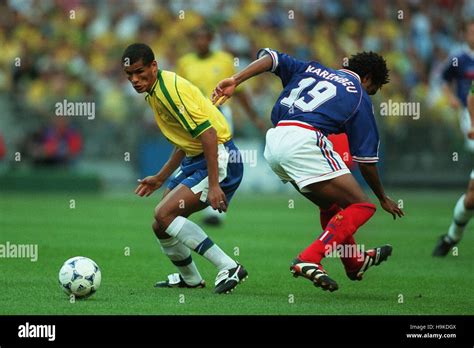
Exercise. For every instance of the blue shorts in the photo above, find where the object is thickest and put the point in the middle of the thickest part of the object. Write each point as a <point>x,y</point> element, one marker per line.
<point>193,172</point>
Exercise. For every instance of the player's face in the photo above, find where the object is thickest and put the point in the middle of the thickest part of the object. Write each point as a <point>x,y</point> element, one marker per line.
<point>370,88</point>
<point>373,88</point>
<point>142,77</point>
<point>202,42</point>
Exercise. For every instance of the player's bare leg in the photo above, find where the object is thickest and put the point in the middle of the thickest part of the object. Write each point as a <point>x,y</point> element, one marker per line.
<point>171,223</point>
<point>180,201</point>
<point>177,252</point>
<point>344,192</point>
<point>326,209</point>
<point>463,212</point>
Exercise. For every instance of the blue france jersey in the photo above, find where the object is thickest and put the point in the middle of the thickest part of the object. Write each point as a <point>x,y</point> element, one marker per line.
<point>332,101</point>
<point>460,69</point>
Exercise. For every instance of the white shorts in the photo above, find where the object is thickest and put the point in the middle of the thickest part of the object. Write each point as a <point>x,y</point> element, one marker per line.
<point>299,153</point>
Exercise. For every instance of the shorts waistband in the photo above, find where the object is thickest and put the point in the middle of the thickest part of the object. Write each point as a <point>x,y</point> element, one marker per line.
<point>297,124</point>
<point>228,144</point>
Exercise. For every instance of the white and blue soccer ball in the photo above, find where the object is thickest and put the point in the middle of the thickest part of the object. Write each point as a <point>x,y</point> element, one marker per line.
<point>80,276</point>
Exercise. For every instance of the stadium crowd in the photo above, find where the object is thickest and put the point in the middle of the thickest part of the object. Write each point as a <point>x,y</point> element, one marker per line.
<point>70,49</point>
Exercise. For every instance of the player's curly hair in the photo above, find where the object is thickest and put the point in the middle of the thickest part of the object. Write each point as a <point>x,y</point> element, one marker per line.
<point>369,64</point>
<point>137,51</point>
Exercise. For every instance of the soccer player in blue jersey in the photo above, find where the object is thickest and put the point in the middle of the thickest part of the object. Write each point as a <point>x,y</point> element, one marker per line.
<point>317,101</point>
<point>459,71</point>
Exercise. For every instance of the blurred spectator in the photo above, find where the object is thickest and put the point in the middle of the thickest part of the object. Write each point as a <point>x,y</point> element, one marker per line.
<point>52,50</point>
<point>57,144</point>
<point>3,148</point>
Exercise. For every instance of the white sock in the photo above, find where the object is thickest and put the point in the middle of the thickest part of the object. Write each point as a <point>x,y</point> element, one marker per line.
<point>196,239</point>
<point>460,219</point>
<point>180,256</point>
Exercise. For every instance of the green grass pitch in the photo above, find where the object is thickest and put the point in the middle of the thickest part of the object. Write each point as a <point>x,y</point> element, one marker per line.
<point>265,232</point>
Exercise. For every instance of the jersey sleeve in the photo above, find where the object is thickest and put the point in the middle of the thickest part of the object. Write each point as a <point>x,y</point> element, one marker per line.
<point>363,135</point>
<point>284,66</point>
<point>188,109</point>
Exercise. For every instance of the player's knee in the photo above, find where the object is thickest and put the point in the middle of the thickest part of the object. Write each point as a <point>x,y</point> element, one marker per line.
<point>163,219</point>
<point>360,198</point>
<point>156,228</point>
<point>160,230</point>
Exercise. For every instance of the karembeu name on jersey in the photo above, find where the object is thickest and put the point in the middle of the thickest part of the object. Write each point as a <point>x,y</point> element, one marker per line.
<point>333,77</point>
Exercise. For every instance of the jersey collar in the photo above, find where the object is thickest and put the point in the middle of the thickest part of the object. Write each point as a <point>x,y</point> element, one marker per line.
<point>351,73</point>
<point>209,55</point>
<point>154,85</point>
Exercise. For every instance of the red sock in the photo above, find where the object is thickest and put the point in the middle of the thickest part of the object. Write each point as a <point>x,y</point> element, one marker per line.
<point>326,214</point>
<point>355,261</point>
<point>340,227</point>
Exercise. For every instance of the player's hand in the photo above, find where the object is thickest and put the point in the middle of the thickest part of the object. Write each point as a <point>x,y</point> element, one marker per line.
<point>217,198</point>
<point>223,91</point>
<point>148,185</point>
<point>470,133</point>
<point>391,207</point>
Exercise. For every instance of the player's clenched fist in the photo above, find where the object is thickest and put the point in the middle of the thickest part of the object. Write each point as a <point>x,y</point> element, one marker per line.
<point>148,185</point>
<point>224,90</point>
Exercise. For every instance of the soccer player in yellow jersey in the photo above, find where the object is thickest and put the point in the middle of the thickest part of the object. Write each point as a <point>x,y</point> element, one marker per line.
<point>205,68</point>
<point>210,169</point>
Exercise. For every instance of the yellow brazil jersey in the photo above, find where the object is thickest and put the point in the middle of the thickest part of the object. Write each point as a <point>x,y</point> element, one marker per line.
<point>183,113</point>
<point>206,73</point>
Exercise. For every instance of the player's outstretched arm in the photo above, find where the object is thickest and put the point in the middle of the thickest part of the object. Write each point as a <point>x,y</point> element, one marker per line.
<point>152,183</point>
<point>226,87</point>
<point>371,176</point>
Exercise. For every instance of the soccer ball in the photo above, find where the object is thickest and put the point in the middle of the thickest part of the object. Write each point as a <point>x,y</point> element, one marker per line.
<point>80,276</point>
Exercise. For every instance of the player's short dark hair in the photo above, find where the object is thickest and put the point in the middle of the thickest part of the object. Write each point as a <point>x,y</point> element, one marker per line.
<point>369,64</point>
<point>137,51</point>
